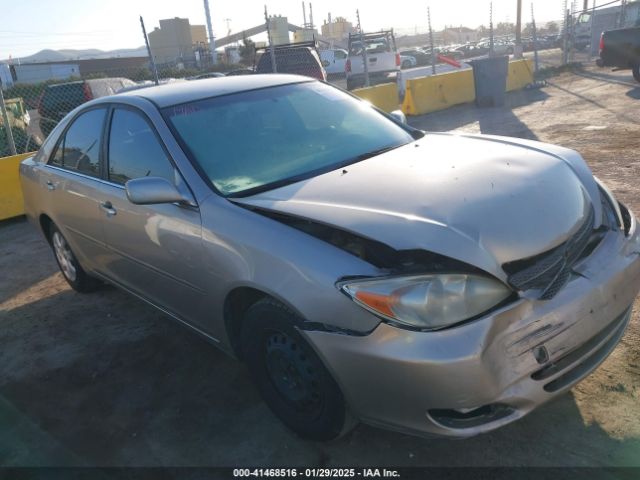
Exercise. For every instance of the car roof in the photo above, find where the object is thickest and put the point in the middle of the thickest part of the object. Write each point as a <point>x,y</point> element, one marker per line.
<point>184,92</point>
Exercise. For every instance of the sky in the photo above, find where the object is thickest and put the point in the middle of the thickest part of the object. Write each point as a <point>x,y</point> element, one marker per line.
<point>28,26</point>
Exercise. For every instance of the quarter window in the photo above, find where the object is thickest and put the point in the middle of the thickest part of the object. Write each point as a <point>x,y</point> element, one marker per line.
<point>79,148</point>
<point>134,149</point>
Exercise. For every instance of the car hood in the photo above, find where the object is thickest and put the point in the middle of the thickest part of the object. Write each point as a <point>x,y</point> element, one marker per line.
<point>479,199</point>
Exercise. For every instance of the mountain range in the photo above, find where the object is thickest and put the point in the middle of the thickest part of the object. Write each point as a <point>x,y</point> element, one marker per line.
<point>48,55</point>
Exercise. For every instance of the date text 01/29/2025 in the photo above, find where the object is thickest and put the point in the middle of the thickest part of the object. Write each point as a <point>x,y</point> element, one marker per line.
<point>315,473</point>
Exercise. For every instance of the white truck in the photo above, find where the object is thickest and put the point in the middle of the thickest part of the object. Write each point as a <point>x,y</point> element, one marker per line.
<point>334,61</point>
<point>381,54</point>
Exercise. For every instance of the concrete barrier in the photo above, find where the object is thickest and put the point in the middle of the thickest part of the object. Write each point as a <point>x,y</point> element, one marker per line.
<point>437,92</point>
<point>384,96</point>
<point>520,74</point>
<point>11,203</point>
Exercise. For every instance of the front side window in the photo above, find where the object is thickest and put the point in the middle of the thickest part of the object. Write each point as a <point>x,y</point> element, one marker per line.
<point>79,148</point>
<point>134,149</point>
<point>259,139</point>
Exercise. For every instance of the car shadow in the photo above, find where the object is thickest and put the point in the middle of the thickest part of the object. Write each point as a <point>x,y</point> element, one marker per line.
<point>107,380</point>
<point>605,77</point>
<point>634,93</point>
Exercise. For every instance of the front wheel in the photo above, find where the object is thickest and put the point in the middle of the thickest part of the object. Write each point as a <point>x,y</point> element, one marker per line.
<point>406,64</point>
<point>290,376</point>
<point>636,72</point>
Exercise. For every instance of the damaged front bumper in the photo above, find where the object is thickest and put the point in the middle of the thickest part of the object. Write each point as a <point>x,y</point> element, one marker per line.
<point>479,376</point>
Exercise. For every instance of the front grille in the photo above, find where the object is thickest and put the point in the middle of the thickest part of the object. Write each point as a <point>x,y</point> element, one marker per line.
<point>550,271</point>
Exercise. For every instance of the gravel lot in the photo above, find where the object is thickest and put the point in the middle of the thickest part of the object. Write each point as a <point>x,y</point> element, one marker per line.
<point>106,380</point>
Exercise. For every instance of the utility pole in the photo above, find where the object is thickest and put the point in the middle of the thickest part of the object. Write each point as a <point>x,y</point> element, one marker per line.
<point>151,61</point>
<point>364,51</point>
<point>212,39</point>
<point>431,46</point>
<point>272,52</point>
<point>518,48</point>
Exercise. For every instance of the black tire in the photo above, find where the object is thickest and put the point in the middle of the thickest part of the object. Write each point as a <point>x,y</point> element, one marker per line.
<point>289,374</point>
<point>350,84</point>
<point>636,72</point>
<point>406,64</point>
<point>69,266</point>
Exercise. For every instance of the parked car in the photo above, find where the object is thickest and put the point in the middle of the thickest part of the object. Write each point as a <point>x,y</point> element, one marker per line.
<point>207,75</point>
<point>294,58</point>
<point>334,61</point>
<point>473,50</point>
<point>500,47</point>
<point>60,98</point>
<point>431,283</point>
<point>422,57</point>
<point>382,55</point>
<point>621,49</point>
<point>240,71</point>
<point>407,61</point>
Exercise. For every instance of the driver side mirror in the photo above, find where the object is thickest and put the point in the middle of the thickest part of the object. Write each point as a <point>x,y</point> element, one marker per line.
<point>153,190</point>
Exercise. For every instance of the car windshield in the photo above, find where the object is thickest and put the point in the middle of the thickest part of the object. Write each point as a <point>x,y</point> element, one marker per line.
<point>258,140</point>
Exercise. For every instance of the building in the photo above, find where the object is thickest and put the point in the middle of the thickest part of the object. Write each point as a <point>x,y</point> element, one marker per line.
<point>173,43</point>
<point>279,29</point>
<point>458,35</point>
<point>305,35</point>
<point>337,30</point>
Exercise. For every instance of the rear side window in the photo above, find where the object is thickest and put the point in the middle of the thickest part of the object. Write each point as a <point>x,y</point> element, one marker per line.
<point>79,149</point>
<point>134,149</point>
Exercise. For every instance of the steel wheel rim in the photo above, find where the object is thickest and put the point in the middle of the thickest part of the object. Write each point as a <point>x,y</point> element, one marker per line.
<point>64,256</point>
<point>293,374</point>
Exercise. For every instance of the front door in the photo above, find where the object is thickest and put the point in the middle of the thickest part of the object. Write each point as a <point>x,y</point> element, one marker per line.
<point>156,250</point>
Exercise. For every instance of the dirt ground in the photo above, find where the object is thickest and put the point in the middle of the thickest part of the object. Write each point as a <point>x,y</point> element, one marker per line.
<point>106,380</point>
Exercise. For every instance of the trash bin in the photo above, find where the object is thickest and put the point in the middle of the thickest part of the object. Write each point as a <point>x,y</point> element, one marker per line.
<point>490,77</point>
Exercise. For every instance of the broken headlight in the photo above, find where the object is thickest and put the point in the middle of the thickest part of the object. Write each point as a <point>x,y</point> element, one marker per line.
<point>428,302</point>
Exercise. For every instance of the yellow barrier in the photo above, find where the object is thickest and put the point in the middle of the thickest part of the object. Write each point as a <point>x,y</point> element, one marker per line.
<point>11,204</point>
<point>437,92</point>
<point>520,74</point>
<point>384,96</point>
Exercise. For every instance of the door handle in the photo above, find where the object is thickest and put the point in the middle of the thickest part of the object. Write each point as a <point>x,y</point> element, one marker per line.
<point>108,208</point>
<point>50,185</point>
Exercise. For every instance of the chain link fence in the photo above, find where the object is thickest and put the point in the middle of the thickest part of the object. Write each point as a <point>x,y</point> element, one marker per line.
<point>36,96</point>
<point>32,106</point>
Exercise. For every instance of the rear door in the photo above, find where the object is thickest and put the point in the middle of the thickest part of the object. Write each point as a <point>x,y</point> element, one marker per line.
<point>71,180</point>
<point>155,250</point>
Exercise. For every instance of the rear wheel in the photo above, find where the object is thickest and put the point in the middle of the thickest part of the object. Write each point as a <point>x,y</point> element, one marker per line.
<point>406,64</point>
<point>636,72</point>
<point>71,270</point>
<point>289,374</point>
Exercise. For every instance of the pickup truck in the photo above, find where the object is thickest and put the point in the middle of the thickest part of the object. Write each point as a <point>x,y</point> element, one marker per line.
<point>621,49</point>
<point>381,55</point>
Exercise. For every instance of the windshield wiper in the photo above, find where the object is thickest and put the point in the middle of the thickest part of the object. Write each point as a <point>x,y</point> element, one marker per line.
<point>373,153</point>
